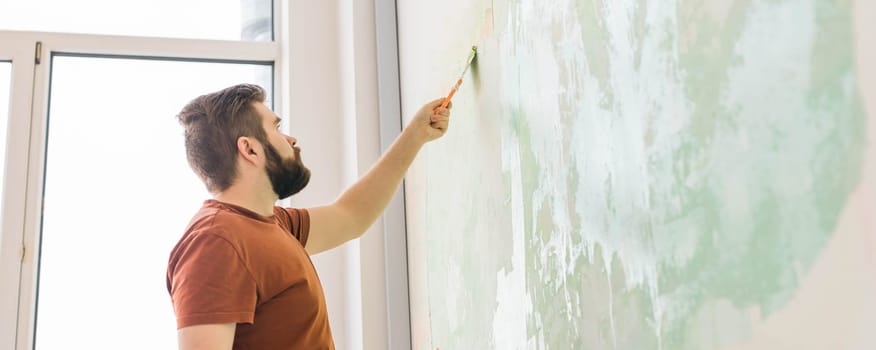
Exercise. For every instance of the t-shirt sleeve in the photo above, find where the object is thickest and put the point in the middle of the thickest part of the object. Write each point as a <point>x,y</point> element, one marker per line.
<point>298,223</point>
<point>210,284</point>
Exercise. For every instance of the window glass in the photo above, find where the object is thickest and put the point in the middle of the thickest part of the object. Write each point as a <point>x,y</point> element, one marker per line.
<point>249,20</point>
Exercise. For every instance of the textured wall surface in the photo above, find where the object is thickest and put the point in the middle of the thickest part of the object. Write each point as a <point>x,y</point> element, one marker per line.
<point>687,174</point>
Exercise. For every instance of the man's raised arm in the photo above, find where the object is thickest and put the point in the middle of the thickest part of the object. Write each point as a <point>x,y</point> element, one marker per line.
<point>360,205</point>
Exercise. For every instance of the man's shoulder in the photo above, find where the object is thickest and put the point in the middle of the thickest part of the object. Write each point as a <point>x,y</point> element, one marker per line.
<point>295,221</point>
<point>290,213</point>
<point>215,218</point>
<point>206,224</point>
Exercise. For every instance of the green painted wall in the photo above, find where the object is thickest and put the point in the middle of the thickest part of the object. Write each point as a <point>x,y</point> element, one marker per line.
<point>636,174</point>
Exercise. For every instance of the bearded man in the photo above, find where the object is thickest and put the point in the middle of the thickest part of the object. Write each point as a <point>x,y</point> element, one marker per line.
<point>241,276</point>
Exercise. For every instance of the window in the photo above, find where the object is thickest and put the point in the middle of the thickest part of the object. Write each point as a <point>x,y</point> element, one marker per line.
<point>249,20</point>
<point>118,194</point>
<point>101,185</point>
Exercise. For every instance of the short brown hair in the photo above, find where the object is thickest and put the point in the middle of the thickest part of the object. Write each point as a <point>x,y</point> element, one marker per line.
<point>213,123</point>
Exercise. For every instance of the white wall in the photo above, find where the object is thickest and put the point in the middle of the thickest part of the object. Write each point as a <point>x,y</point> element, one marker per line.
<point>332,109</point>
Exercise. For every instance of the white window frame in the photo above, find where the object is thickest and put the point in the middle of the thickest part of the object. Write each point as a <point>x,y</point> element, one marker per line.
<point>398,312</point>
<point>26,140</point>
<point>17,133</point>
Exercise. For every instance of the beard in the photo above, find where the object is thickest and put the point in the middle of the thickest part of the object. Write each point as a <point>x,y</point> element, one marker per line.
<point>288,176</point>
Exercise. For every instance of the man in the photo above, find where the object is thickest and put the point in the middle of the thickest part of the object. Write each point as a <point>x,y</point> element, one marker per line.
<point>241,275</point>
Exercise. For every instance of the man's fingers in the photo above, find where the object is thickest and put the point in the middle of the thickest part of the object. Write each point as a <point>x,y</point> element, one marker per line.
<point>435,104</point>
<point>440,114</point>
<point>439,118</point>
<point>444,112</point>
<point>442,125</point>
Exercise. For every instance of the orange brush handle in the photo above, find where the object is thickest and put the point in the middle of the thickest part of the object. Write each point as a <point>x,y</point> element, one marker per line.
<point>449,96</point>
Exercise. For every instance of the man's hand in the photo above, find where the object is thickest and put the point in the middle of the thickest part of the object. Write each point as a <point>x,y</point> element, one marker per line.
<point>430,122</point>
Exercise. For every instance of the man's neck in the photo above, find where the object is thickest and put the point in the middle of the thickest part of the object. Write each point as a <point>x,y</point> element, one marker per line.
<point>261,202</point>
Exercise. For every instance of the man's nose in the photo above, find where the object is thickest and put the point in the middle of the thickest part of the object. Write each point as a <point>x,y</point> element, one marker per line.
<point>292,141</point>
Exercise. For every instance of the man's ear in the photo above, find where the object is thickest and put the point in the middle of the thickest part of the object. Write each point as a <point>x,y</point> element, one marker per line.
<point>248,149</point>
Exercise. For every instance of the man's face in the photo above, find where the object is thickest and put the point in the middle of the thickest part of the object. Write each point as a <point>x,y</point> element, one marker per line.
<point>283,165</point>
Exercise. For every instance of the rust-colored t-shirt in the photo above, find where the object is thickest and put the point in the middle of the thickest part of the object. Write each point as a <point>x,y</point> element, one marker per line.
<point>234,265</point>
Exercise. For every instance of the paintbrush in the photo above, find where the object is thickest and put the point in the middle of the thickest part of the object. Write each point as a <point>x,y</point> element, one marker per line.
<point>486,30</point>
<point>471,57</point>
